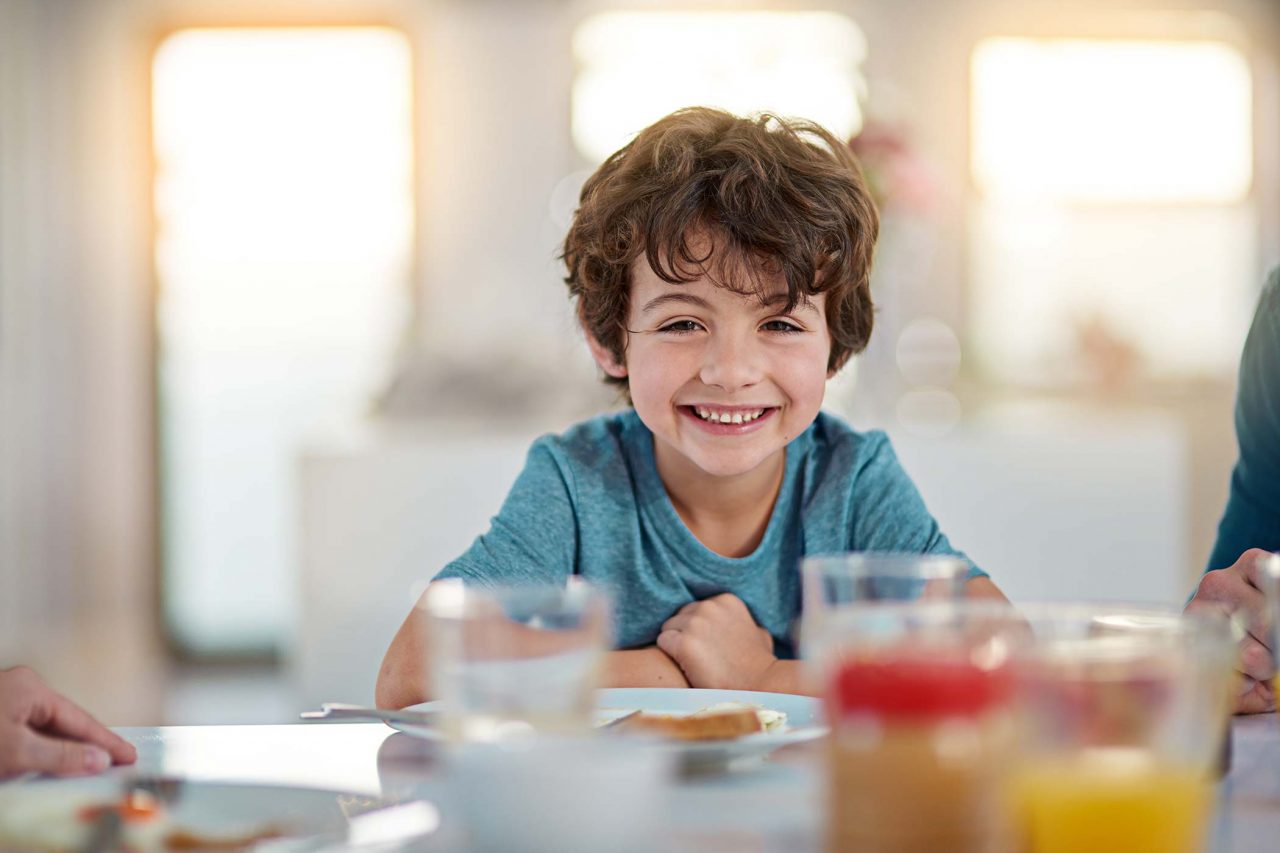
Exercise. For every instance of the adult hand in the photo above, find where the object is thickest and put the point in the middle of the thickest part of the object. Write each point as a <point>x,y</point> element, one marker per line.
<point>1237,589</point>
<point>717,644</point>
<point>43,731</point>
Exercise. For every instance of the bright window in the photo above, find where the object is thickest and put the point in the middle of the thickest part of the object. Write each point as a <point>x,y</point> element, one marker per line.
<point>1091,120</point>
<point>284,204</point>
<point>1113,234</point>
<point>635,67</point>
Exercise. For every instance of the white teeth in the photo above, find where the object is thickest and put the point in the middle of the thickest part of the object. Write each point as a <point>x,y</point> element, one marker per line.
<point>738,417</point>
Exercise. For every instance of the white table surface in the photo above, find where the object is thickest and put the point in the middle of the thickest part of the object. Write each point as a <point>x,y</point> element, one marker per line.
<point>774,805</point>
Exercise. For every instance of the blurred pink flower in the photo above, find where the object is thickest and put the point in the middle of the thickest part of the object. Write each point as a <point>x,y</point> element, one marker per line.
<point>899,178</point>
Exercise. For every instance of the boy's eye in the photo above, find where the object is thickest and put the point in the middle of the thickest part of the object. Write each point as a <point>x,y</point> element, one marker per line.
<point>781,326</point>
<point>680,327</point>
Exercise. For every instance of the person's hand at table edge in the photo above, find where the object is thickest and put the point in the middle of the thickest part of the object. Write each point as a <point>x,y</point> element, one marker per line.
<point>42,731</point>
<point>1236,589</point>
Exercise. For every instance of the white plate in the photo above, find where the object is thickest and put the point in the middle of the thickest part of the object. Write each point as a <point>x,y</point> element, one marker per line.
<point>804,719</point>
<point>42,815</point>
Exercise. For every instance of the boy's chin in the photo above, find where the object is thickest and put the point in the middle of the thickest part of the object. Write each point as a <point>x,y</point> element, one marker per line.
<point>730,465</point>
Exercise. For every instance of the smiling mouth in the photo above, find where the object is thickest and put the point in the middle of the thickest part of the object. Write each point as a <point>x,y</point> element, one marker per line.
<point>728,416</point>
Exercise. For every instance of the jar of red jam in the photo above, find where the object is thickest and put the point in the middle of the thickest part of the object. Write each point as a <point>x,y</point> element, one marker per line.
<point>921,740</point>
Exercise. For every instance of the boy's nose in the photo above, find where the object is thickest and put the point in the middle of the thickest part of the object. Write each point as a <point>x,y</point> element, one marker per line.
<point>731,363</point>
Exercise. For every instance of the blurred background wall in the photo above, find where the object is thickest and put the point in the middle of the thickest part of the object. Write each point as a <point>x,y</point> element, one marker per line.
<point>280,307</point>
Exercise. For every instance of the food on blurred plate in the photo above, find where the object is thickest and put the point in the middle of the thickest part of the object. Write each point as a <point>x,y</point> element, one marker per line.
<point>52,818</point>
<point>713,723</point>
<point>770,720</point>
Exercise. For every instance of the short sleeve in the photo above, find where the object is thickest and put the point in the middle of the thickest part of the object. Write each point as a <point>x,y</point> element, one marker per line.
<point>533,538</point>
<point>888,512</point>
<point>1252,516</point>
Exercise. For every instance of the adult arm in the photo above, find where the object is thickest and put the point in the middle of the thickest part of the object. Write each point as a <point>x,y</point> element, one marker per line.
<point>1252,515</point>
<point>42,731</point>
<point>1251,520</point>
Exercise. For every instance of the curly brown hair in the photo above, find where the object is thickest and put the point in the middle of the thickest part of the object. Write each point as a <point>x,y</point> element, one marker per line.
<point>779,196</point>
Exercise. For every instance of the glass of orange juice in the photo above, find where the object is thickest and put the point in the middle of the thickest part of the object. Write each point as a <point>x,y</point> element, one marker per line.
<point>1121,713</point>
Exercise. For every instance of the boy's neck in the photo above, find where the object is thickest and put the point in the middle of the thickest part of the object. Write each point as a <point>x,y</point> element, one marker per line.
<point>729,515</point>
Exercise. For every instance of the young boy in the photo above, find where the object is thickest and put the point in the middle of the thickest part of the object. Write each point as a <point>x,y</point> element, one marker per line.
<point>720,267</point>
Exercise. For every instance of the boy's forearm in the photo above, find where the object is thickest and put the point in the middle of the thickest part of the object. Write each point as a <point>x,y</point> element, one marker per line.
<point>786,676</point>
<point>647,667</point>
<point>983,587</point>
<point>402,679</point>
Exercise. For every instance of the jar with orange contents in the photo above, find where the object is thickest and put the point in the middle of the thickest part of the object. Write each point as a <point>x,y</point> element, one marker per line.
<point>919,699</point>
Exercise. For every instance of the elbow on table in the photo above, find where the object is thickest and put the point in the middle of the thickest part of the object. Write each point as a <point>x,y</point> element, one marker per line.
<point>399,684</point>
<point>384,693</point>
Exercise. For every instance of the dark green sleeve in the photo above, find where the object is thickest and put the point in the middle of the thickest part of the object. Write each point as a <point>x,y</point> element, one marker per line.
<point>1252,516</point>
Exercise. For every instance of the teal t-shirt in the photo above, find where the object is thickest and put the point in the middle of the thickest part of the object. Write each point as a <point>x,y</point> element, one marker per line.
<point>590,502</point>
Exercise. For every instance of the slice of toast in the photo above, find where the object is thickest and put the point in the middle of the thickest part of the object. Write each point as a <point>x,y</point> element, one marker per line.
<point>704,725</point>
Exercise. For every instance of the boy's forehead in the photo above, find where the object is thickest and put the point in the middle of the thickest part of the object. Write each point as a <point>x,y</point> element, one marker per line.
<point>737,283</point>
<point>757,279</point>
<point>650,292</point>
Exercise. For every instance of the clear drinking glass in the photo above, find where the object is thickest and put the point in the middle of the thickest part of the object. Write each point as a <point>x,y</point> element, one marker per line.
<point>1122,712</point>
<point>919,700</point>
<point>512,661</point>
<point>834,581</point>
<point>562,795</point>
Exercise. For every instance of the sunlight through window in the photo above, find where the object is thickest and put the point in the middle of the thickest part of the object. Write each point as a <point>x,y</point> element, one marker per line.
<point>635,67</point>
<point>283,195</point>
<point>1114,120</point>
<point>1114,235</point>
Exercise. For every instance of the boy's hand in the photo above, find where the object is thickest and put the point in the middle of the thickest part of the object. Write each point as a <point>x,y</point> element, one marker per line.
<point>717,644</point>
<point>1237,589</point>
<point>43,731</point>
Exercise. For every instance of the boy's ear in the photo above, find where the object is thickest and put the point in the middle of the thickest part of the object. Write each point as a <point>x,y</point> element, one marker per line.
<point>604,358</point>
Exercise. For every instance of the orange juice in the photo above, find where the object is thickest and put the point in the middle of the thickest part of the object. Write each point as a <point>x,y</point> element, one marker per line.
<point>1116,802</point>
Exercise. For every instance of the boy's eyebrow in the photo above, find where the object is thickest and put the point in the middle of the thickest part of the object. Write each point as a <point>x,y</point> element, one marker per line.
<point>699,302</point>
<point>781,299</point>
<point>689,298</point>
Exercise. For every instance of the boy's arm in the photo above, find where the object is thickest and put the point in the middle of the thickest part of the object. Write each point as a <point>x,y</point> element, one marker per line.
<point>980,586</point>
<point>717,644</point>
<point>647,667</point>
<point>531,541</point>
<point>787,676</point>
<point>402,678</point>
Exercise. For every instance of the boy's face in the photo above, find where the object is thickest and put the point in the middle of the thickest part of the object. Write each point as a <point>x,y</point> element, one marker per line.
<point>719,378</point>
